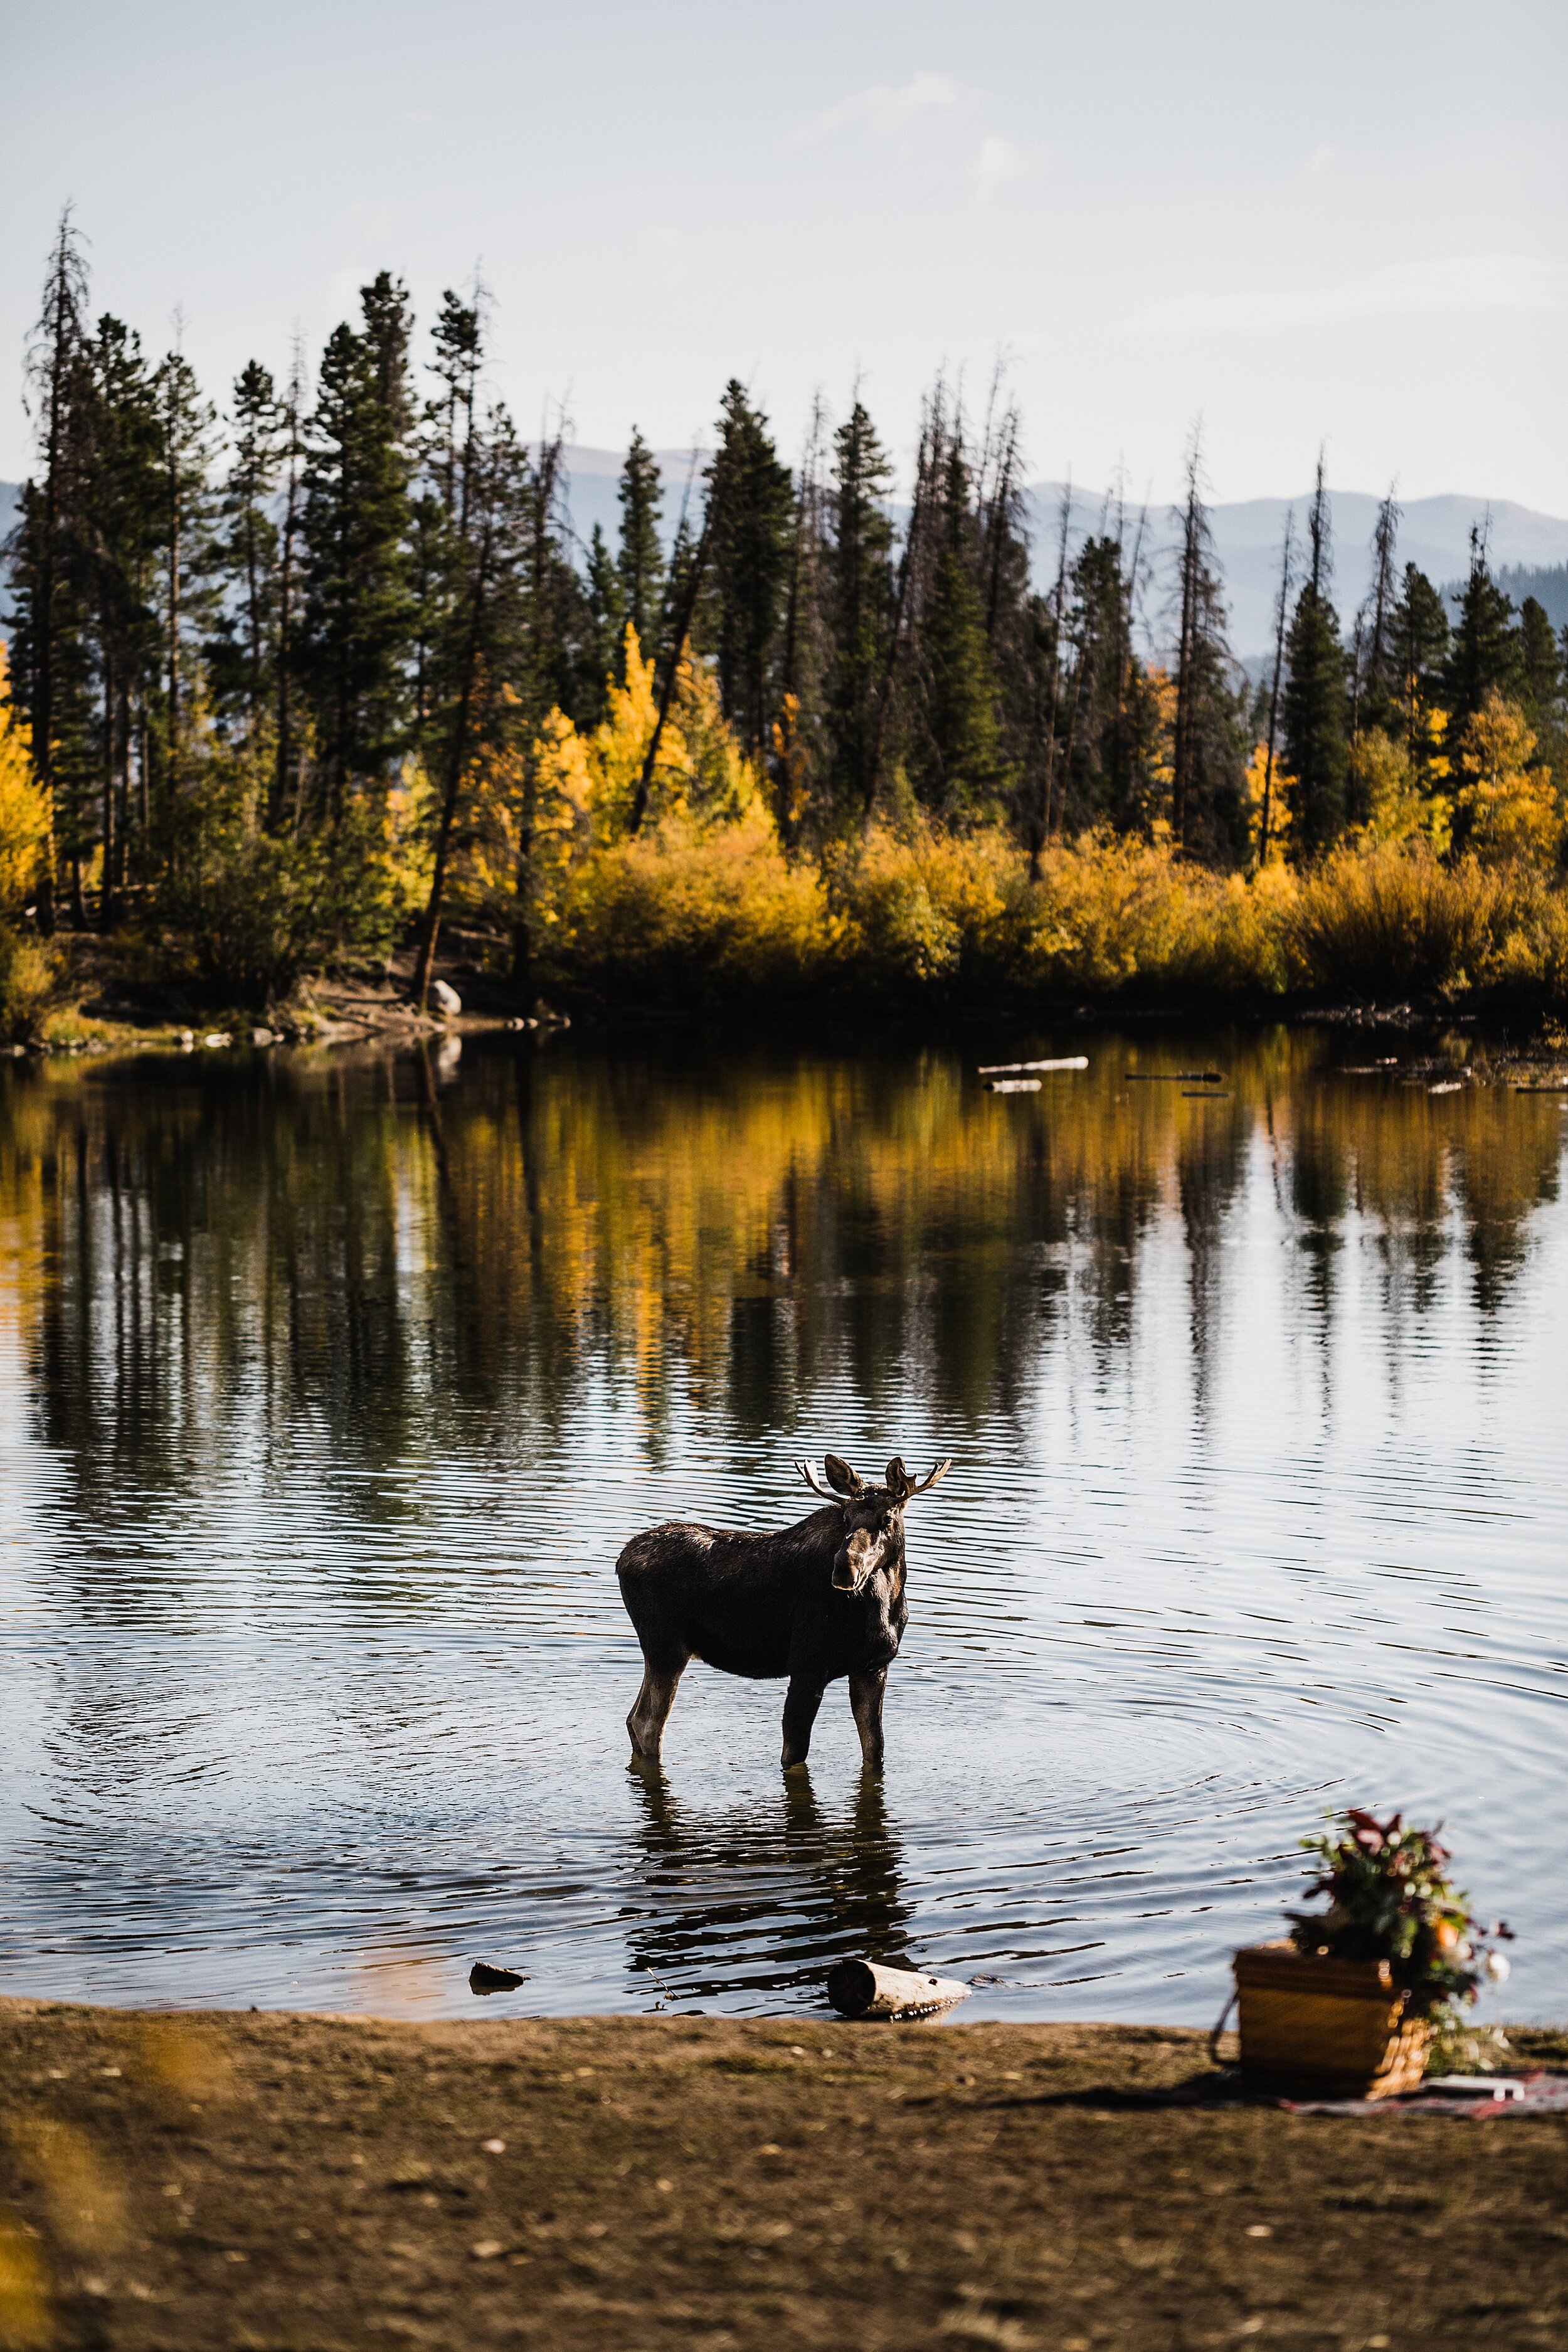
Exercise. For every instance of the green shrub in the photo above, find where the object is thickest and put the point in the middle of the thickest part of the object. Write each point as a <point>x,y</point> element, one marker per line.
<point>251,913</point>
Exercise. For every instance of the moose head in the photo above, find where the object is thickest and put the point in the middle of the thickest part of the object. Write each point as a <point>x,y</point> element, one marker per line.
<point>873,1516</point>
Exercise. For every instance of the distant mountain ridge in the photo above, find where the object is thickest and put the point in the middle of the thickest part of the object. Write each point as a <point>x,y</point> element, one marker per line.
<point>1433,533</point>
<point>1530,548</point>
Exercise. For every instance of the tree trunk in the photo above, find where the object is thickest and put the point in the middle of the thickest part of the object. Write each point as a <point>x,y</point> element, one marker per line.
<point>678,646</point>
<point>1274,695</point>
<point>458,760</point>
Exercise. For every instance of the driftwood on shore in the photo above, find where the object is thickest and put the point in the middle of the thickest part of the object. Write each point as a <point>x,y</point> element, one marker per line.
<point>867,1988</point>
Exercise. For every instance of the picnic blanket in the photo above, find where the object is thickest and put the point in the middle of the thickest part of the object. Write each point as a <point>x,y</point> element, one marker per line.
<point>1493,2098</point>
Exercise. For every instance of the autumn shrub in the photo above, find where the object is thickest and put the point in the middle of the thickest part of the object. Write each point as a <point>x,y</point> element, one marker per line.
<point>27,984</point>
<point>1390,918</point>
<point>694,914</point>
<point>24,807</point>
<point>909,913</point>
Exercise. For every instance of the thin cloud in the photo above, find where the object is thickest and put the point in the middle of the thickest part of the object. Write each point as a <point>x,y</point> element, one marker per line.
<point>882,109</point>
<point>997,165</point>
<point>1407,291</point>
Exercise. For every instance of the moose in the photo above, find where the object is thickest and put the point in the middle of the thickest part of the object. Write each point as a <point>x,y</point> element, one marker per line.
<point>821,1599</point>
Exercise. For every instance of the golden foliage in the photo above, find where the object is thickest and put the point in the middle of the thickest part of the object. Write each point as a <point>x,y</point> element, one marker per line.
<point>1507,809</point>
<point>698,911</point>
<point>23,807</point>
<point>570,794</point>
<point>1382,775</point>
<point>707,905</point>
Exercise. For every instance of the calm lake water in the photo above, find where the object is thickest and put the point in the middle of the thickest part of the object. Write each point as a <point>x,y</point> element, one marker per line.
<point>330,1386</point>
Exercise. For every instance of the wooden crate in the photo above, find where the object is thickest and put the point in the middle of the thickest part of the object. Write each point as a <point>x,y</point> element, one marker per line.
<point>1325,2029</point>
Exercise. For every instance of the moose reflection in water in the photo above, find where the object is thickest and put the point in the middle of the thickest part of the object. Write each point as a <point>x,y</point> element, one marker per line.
<point>765,1897</point>
<point>817,1600</point>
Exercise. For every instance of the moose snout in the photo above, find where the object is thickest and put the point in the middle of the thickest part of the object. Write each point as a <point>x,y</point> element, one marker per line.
<point>855,1561</point>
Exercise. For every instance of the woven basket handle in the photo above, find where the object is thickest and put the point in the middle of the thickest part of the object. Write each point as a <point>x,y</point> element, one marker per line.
<point>1219,2027</point>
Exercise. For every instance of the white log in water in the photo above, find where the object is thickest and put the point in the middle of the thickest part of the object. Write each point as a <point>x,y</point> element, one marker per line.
<point>1007,1069</point>
<point>866,1989</point>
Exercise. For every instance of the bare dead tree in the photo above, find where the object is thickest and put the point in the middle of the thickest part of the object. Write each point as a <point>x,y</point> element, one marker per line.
<point>1059,607</point>
<point>678,636</point>
<point>293,419</point>
<point>931,431</point>
<point>1281,619</point>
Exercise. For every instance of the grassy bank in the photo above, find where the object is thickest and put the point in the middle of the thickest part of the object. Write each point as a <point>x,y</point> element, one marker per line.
<point>275,2181</point>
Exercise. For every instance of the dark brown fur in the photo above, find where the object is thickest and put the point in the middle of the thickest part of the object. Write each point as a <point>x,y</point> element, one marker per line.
<point>819,1601</point>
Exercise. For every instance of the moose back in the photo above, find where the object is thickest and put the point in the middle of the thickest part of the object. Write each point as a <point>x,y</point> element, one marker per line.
<point>819,1601</point>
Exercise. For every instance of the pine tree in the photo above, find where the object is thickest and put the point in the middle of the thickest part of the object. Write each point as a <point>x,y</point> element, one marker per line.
<point>1316,699</point>
<point>1484,652</point>
<point>799,765</point>
<point>1373,685</point>
<point>1541,661</point>
<point>954,738</point>
<point>184,423</point>
<point>50,661</point>
<point>1003,557</point>
<point>607,610</point>
<point>639,563</point>
<point>1208,758</point>
<point>1107,749</point>
<point>751,496</point>
<point>244,655</point>
<point>480,649</point>
<point>285,796</point>
<point>359,612</point>
<point>858,594</point>
<point>125,481</point>
<point>1420,651</point>
<point>550,657</point>
<point>459,339</point>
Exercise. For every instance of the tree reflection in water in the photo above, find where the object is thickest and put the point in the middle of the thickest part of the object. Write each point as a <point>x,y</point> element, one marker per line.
<point>331,1385</point>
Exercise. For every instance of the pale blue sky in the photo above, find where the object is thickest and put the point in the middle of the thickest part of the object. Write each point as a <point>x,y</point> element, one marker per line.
<point>1344,218</point>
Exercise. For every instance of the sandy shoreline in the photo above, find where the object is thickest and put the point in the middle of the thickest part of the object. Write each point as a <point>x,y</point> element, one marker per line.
<point>270,2180</point>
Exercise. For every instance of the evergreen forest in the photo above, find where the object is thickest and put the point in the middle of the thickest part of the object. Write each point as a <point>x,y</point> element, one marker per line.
<point>316,673</point>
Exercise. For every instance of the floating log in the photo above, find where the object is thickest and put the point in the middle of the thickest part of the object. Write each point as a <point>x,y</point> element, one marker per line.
<point>1013,1087</point>
<point>1006,1069</point>
<point>866,1989</point>
<point>1203,1094</point>
<point>1173,1078</point>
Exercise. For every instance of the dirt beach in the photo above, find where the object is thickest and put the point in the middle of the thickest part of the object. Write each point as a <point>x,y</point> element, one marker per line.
<point>275,2181</point>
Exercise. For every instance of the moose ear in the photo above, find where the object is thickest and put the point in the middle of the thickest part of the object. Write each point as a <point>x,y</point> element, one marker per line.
<point>840,1477</point>
<point>899,1482</point>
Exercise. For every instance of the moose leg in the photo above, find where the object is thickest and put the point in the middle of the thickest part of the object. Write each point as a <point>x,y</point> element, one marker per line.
<point>866,1701</point>
<point>801,1702</point>
<point>651,1712</point>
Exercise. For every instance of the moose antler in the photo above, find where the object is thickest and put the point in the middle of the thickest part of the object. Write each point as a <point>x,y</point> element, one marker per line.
<point>825,1492</point>
<point>939,1473</point>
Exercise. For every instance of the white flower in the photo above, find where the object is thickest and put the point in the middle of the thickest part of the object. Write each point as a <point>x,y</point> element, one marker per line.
<point>1496,1967</point>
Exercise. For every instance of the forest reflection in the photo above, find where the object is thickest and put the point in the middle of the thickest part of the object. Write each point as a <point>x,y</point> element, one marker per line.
<point>384,1249</point>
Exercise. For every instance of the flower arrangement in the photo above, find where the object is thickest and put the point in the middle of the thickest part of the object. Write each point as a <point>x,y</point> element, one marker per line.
<point>1389,1899</point>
